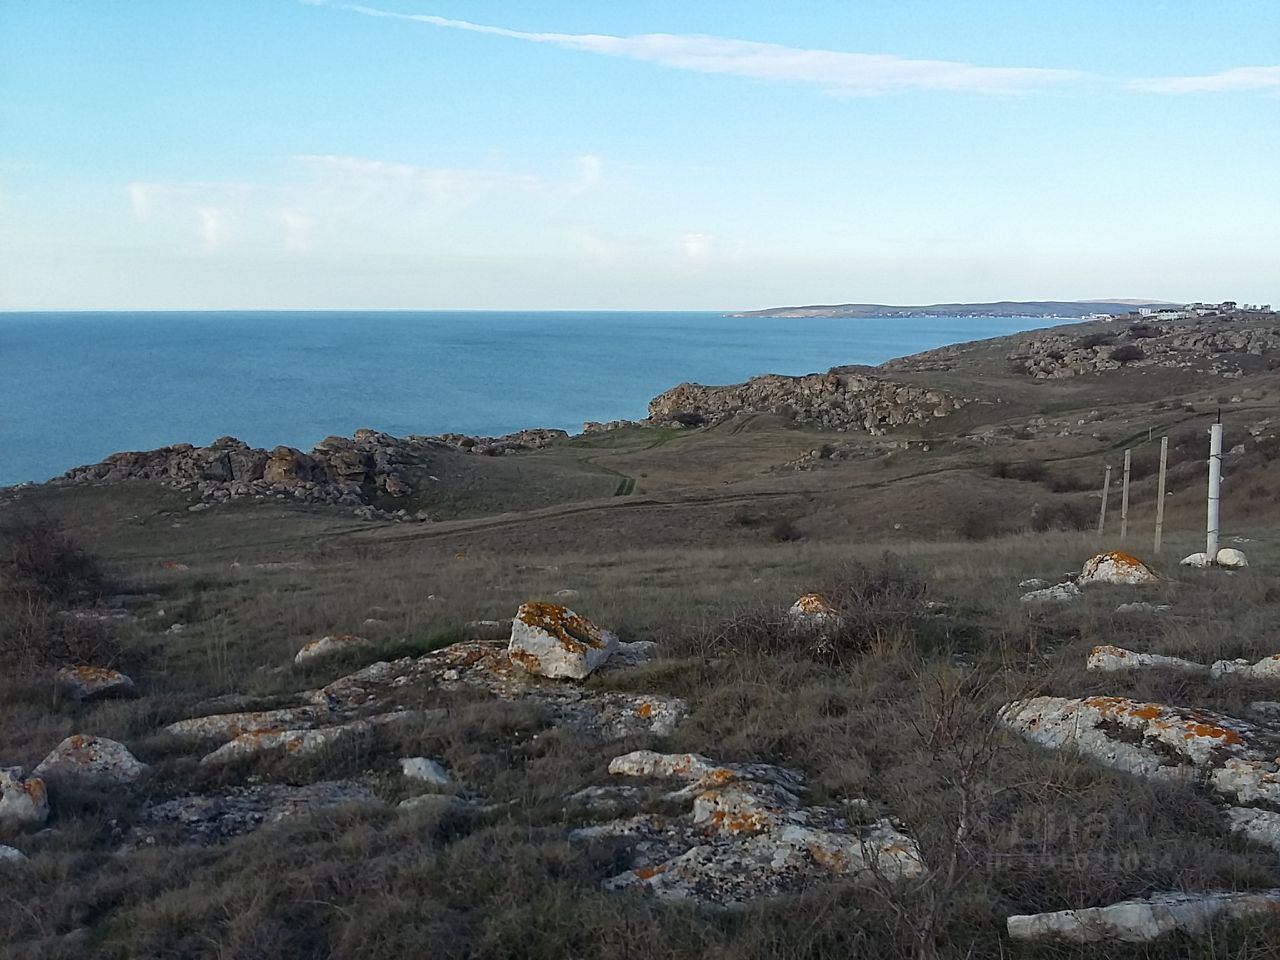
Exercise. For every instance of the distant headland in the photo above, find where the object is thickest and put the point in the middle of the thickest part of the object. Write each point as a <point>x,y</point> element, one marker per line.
<point>1000,308</point>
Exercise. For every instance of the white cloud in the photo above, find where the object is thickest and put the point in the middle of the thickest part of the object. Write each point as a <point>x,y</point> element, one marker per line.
<point>837,71</point>
<point>1235,80</point>
<point>697,247</point>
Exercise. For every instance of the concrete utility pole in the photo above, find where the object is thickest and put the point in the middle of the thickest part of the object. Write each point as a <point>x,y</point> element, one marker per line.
<point>1164,466</point>
<point>1215,489</point>
<point>1124,497</point>
<point>1106,488</point>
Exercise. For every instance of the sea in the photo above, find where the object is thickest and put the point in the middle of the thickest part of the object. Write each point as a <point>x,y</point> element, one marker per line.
<point>75,387</point>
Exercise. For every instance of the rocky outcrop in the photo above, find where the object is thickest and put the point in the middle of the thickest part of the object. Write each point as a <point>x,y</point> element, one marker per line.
<point>549,640</point>
<point>339,470</point>
<point>748,834</point>
<point>23,800</point>
<point>844,398</point>
<point>425,770</point>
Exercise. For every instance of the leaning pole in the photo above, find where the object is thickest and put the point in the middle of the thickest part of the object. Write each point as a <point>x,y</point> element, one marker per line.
<point>1215,490</point>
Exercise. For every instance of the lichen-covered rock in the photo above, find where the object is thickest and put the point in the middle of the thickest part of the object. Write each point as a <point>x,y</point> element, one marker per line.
<point>94,683</point>
<point>292,742</point>
<point>1060,593</point>
<point>1140,921</point>
<point>813,611</point>
<point>1110,659</point>
<point>91,760</point>
<point>23,800</point>
<point>1235,758</point>
<point>337,643</point>
<point>748,836</point>
<point>227,726</point>
<point>1116,567</point>
<point>425,770</point>
<point>549,640</point>
<point>1231,558</point>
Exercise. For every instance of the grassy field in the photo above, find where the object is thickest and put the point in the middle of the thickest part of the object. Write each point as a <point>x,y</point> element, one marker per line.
<point>698,540</point>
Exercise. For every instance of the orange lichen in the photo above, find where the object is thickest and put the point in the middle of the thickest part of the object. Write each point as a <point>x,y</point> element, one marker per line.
<point>91,674</point>
<point>648,873</point>
<point>34,788</point>
<point>645,710</point>
<point>1121,558</point>
<point>527,660</point>
<point>1213,733</point>
<point>1109,650</point>
<point>813,604</point>
<point>562,623</point>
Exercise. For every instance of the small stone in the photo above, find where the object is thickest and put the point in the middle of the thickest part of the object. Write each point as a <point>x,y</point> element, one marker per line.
<point>1035,583</point>
<point>1061,593</point>
<point>94,683</point>
<point>1142,606</point>
<point>812,611</point>
<point>1197,560</point>
<point>337,643</point>
<point>11,855</point>
<point>425,770</point>
<point>1110,659</point>
<point>488,629</point>
<point>566,594</point>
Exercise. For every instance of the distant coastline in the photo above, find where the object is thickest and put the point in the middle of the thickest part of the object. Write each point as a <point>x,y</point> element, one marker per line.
<point>1042,309</point>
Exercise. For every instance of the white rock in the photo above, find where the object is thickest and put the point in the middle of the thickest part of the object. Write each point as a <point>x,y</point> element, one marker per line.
<point>549,640</point>
<point>1117,568</point>
<point>1231,558</point>
<point>1142,606</point>
<point>91,760</point>
<point>566,594</point>
<point>1061,593</point>
<point>1197,560</point>
<point>23,800</point>
<point>328,645</point>
<point>1109,659</point>
<point>11,855</point>
<point>1268,668</point>
<point>1260,826</point>
<point>426,770</point>
<point>1035,583</point>
<point>94,683</point>
<point>227,726</point>
<point>1139,921</point>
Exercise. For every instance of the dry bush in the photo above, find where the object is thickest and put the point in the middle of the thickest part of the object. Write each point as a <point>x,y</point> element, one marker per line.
<point>1061,515</point>
<point>42,572</point>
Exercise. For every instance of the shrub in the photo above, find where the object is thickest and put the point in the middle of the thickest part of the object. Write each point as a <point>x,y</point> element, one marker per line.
<point>1061,515</point>
<point>1129,353</point>
<point>42,570</point>
<point>784,531</point>
<point>1140,331</point>
<point>1032,471</point>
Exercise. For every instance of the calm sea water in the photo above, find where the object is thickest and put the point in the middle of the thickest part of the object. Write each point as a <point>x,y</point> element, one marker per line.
<point>75,387</point>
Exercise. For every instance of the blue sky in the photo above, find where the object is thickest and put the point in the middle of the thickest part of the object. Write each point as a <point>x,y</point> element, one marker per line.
<point>720,155</point>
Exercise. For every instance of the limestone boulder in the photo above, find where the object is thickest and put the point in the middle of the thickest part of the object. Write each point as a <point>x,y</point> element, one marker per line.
<point>549,640</point>
<point>326,646</point>
<point>1116,567</point>
<point>94,683</point>
<point>1141,921</point>
<point>1197,560</point>
<point>227,726</point>
<point>1231,558</point>
<point>1112,659</point>
<point>290,742</point>
<point>1268,668</point>
<point>91,761</point>
<point>23,800</point>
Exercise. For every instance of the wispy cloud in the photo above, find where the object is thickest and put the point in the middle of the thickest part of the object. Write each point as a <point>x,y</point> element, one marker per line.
<point>839,72</point>
<point>1235,80</point>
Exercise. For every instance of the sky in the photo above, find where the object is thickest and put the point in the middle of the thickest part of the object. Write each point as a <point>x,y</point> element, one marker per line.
<point>482,154</point>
